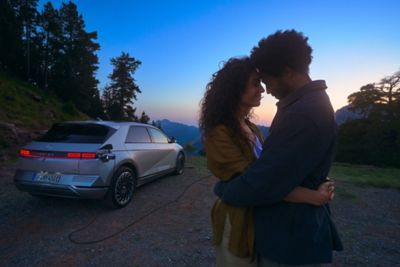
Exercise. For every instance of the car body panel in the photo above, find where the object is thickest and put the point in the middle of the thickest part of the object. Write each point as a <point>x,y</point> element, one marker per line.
<point>151,158</point>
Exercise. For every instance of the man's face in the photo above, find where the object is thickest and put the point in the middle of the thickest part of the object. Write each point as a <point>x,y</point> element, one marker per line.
<point>277,86</point>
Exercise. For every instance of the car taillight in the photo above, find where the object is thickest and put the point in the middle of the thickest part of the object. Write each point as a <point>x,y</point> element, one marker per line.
<point>74,155</point>
<point>88,155</point>
<point>81,155</point>
<point>56,154</point>
<point>24,152</point>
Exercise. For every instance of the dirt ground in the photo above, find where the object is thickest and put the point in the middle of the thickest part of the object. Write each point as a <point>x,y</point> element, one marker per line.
<point>167,224</point>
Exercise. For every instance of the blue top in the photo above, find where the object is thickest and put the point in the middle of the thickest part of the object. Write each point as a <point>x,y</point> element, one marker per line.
<point>257,147</point>
<point>298,151</point>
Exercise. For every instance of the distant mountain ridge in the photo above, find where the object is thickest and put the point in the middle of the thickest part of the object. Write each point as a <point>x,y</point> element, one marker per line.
<point>345,114</point>
<point>186,134</point>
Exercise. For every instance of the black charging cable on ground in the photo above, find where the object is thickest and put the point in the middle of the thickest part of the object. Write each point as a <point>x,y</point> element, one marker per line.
<point>77,242</point>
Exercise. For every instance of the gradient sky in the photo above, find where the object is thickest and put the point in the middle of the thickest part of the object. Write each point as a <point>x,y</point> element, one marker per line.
<point>181,43</point>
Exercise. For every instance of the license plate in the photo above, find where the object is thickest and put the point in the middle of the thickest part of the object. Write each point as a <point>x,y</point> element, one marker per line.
<point>53,178</point>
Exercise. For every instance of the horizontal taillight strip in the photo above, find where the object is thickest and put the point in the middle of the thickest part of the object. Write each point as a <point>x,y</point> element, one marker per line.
<point>57,155</point>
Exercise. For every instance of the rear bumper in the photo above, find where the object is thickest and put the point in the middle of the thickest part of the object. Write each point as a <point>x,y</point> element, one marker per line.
<point>70,186</point>
<point>62,191</point>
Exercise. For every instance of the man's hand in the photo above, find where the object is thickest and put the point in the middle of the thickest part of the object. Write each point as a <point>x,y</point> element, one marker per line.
<point>219,188</point>
<point>326,192</point>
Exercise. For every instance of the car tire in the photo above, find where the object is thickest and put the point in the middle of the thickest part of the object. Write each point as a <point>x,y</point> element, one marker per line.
<point>180,164</point>
<point>122,188</point>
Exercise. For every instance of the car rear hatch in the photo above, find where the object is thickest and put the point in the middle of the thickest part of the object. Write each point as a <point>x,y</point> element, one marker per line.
<point>64,147</point>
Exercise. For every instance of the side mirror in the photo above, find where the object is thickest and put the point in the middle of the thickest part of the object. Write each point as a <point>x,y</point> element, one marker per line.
<point>172,140</point>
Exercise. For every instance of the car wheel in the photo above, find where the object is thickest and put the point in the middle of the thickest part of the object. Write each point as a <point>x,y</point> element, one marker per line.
<point>180,164</point>
<point>122,187</point>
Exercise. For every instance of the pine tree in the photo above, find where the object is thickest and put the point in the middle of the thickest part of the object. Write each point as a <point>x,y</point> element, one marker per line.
<point>144,118</point>
<point>77,64</point>
<point>28,18</point>
<point>11,46</point>
<point>51,26</point>
<point>119,95</point>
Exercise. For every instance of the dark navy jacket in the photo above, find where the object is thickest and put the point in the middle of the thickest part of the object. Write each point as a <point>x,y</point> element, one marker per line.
<point>298,151</point>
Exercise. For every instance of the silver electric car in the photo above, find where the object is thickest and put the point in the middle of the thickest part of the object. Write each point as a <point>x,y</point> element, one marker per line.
<point>97,159</point>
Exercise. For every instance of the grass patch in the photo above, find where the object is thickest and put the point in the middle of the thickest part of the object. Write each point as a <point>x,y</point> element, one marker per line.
<point>355,174</point>
<point>199,162</point>
<point>366,175</point>
<point>32,107</point>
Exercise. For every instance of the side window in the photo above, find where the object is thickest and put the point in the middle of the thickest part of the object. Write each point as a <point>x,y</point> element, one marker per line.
<point>137,135</point>
<point>157,136</point>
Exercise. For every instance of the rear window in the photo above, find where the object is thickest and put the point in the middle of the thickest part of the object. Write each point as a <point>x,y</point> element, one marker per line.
<point>77,133</point>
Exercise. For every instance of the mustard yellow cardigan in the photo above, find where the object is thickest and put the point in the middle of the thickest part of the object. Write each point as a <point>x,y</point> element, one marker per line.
<point>227,156</point>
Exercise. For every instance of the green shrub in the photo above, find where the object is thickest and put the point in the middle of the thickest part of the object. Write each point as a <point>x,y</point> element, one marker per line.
<point>70,109</point>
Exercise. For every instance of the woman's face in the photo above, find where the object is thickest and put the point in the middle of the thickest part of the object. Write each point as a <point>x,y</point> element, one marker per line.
<point>252,95</point>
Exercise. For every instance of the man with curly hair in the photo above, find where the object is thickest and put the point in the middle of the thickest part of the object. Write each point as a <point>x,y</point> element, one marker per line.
<point>298,151</point>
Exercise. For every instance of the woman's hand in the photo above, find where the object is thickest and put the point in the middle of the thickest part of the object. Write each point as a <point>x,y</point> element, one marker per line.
<point>319,197</point>
<point>326,192</point>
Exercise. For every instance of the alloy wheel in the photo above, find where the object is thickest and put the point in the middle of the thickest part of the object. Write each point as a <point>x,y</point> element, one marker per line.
<point>124,188</point>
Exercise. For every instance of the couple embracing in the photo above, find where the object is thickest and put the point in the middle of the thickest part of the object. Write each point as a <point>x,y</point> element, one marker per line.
<point>272,207</point>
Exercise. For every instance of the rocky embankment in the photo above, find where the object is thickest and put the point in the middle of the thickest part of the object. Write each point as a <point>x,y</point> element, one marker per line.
<point>13,136</point>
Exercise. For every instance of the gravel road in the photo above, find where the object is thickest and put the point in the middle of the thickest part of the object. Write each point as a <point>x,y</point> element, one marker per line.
<point>167,224</point>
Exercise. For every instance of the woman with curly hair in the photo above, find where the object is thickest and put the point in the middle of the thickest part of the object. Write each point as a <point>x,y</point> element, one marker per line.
<point>232,142</point>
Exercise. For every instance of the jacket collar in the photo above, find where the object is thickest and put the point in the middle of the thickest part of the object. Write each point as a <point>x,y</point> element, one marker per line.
<point>296,95</point>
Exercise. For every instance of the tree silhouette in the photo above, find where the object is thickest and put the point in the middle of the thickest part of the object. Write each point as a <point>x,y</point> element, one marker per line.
<point>375,138</point>
<point>79,61</point>
<point>378,100</point>
<point>144,118</point>
<point>119,95</point>
<point>52,37</point>
<point>28,15</point>
<point>11,46</point>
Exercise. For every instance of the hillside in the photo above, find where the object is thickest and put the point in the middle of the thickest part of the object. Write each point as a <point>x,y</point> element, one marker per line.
<point>25,112</point>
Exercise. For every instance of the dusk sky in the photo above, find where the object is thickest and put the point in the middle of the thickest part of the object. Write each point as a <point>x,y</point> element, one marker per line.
<point>181,43</point>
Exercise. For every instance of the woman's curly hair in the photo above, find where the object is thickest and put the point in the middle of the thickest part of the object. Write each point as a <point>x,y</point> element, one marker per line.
<point>221,102</point>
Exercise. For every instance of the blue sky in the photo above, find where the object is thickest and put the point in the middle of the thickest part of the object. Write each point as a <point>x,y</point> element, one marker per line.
<point>181,43</point>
